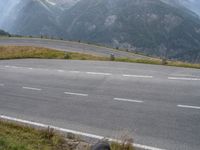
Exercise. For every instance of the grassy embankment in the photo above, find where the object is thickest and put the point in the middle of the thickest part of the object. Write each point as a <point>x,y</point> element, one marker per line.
<point>19,52</point>
<point>20,137</point>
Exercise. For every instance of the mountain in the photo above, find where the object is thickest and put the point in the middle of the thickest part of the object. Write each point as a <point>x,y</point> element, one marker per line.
<point>7,13</point>
<point>3,33</point>
<point>164,28</point>
<point>148,26</point>
<point>193,5</point>
<point>36,17</point>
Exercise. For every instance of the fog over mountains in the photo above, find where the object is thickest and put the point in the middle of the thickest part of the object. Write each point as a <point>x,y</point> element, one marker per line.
<point>165,28</point>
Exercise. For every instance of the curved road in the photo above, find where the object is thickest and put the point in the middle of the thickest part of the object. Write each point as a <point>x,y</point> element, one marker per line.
<point>68,46</point>
<point>158,106</point>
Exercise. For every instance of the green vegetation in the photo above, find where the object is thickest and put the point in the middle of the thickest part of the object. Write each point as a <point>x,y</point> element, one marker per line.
<point>14,136</point>
<point>20,52</point>
<point>3,33</point>
<point>125,144</point>
<point>19,137</point>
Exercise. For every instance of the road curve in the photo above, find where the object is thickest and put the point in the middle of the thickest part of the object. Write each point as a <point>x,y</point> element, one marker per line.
<point>68,46</point>
<point>159,106</point>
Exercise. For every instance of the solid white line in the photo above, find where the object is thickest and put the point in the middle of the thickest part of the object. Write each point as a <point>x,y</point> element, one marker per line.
<point>77,94</point>
<point>137,76</point>
<point>187,106</point>
<point>35,124</point>
<point>98,73</point>
<point>128,100</point>
<point>1,84</point>
<point>30,88</point>
<point>186,79</point>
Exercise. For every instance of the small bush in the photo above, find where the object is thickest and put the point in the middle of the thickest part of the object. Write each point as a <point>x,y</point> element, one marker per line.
<point>125,145</point>
<point>67,56</point>
<point>48,133</point>
<point>164,61</point>
<point>112,57</point>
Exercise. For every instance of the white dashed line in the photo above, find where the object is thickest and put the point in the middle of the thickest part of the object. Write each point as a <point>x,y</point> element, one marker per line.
<point>128,100</point>
<point>77,94</point>
<point>84,134</point>
<point>186,79</point>
<point>187,106</point>
<point>15,67</point>
<point>61,71</point>
<point>1,84</point>
<point>30,88</point>
<point>74,71</point>
<point>99,73</point>
<point>137,76</point>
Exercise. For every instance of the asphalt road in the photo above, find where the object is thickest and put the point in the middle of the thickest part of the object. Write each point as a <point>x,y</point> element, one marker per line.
<point>68,46</point>
<point>158,106</point>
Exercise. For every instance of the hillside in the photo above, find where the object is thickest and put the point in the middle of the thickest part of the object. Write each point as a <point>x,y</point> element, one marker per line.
<point>154,27</point>
<point>3,33</point>
<point>147,26</point>
<point>37,18</point>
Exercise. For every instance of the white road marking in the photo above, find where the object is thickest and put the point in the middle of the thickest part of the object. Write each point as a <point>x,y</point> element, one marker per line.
<point>186,79</point>
<point>15,67</point>
<point>128,100</point>
<point>1,84</point>
<point>74,71</point>
<point>12,67</point>
<point>187,106</point>
<point>185,75</point>
<point>137,76</point>
<point>98,73</point>
<point>31,88</point>
<point>77,94</point>
<point>61,71</point>
<point>84,134</point>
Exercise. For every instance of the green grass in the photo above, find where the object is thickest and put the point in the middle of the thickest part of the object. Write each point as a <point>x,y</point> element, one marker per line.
<point>14,136</point>
<point>19,137</point>
<point>155,61</point>
<point>20,52</point>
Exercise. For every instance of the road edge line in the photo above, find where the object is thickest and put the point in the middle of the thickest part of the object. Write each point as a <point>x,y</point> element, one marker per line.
<point>98,137</point>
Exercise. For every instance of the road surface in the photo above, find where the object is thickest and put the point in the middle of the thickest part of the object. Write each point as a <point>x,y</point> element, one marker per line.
<point>159,106</point>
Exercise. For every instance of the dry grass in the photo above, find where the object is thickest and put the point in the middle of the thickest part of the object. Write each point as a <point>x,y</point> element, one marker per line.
<point>15,136</point>
<point>20,52</point>
<point>20,137</point>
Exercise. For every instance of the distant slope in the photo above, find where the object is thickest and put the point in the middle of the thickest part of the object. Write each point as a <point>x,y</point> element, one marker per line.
<point>37,17</point>
<point>3,33</point>
<point>148,26</point>
<point>154,27</point>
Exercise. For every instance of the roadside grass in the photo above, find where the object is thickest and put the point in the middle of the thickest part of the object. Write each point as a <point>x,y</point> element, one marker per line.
<point>156,61</point>
<point>125,144</point>
<point>21,52</point>
<point>20,137</point>
<point>14,136</point>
